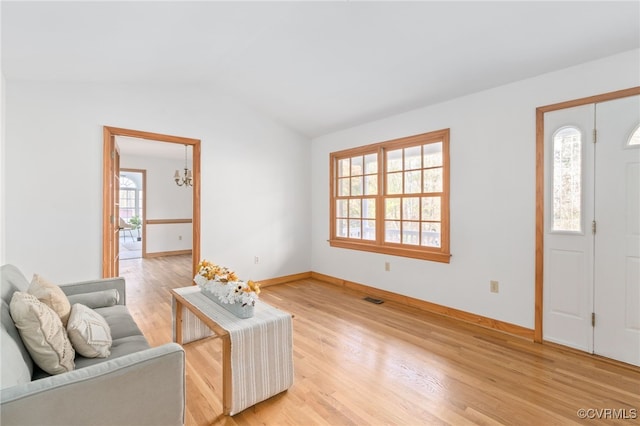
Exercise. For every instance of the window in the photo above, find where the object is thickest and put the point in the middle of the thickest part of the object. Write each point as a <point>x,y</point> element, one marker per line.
<point>128,192</point>
<point>393,197</point>
<point>567,180</point>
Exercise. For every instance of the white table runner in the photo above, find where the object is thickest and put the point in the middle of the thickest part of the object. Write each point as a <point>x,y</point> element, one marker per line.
<point>261,347</point>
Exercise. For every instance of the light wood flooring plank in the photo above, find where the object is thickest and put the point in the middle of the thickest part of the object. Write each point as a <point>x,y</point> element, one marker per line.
<point>357,363</point>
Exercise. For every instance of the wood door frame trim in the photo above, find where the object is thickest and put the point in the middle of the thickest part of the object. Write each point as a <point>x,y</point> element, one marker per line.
<point>109,134</point>
<point>539,251</point>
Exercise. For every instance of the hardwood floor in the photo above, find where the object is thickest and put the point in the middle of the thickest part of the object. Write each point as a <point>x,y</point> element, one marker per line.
<point>357,363</point>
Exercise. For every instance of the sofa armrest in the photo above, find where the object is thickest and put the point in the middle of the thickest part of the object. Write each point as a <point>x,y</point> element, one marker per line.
<point>143,388</point>
<point>97,285</point>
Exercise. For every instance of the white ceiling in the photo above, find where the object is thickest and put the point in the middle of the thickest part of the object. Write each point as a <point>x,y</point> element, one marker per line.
<point>316,67</point>
<point>150,148</point>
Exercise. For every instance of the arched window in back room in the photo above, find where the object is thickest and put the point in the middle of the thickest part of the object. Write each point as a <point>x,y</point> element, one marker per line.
<point>634,139</point>
<point>128,192</point>
<point>567,180</point>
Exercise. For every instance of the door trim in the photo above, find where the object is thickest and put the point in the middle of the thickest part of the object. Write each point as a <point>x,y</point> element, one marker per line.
<point>109,134</point>
<point>539,251</point>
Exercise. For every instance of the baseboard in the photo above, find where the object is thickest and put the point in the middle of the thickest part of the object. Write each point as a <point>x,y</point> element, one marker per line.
<point>167,253</point>
<point>457,314</point>
<point>579,352</point>
<point>428,306</point>
<point>285,279</point>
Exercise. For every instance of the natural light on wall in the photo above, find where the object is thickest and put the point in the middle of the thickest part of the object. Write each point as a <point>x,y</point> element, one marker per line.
<point>567,180</point>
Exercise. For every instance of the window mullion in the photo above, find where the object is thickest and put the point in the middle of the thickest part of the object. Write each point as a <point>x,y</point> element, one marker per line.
<point>382,187</point>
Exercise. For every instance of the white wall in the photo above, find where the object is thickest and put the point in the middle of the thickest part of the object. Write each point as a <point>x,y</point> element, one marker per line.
<point>2,156</point>
<point>255,182</point>
<point>492,192</point>
<point>2,169</point>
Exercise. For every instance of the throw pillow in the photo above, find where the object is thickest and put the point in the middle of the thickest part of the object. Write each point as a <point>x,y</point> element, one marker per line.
<point>89,332</point>
<point>51,295</point>
<point>42,333</point>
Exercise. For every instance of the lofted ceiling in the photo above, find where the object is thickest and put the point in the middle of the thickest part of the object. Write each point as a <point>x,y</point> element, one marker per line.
<point>315,67</point>
<point>138,147</point>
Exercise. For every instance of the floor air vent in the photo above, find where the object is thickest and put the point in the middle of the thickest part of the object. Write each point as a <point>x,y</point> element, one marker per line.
<point>372,300</point>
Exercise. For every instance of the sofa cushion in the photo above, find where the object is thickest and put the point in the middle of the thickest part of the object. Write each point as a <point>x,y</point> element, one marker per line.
<point>125,334</point>
<point>119,348</point>
<point>51,295</point>
<point>42,333</point>
<point>15,368</point>
<point>16,365</point>
<point>120,321</point>
<point>89,332</point>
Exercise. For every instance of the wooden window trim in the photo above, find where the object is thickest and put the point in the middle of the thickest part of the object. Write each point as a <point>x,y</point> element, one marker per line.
<point>437,254</point>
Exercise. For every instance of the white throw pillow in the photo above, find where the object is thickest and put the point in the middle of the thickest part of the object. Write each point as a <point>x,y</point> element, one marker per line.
<point>42,333</point>
<point>51,295</point>
<point>89,332</point>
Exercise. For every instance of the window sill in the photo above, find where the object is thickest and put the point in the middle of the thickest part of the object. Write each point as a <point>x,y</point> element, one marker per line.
<point>394,251</point>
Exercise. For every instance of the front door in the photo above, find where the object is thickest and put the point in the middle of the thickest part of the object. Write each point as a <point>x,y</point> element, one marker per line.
<point>568,271</point>
<point>617,237</point>
<point>592,236</point>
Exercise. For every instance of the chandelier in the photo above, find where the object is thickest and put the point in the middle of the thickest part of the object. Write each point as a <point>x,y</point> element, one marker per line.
<point>187,178</point>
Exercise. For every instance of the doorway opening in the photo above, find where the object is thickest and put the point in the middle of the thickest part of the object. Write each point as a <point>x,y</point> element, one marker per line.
<point>132,213</point>
<point>112,203</point>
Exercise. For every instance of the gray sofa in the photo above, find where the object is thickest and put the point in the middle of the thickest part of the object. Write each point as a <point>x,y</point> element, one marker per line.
<point>135,385</point>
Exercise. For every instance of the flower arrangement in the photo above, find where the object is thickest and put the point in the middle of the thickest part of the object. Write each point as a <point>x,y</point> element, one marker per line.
<point>225,284</point>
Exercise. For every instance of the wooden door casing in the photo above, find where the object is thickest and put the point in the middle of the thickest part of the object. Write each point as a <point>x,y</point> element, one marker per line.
<point>540,185</point>
<point>109,240</point>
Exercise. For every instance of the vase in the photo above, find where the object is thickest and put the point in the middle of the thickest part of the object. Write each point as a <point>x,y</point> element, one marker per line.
<point>236,309</point>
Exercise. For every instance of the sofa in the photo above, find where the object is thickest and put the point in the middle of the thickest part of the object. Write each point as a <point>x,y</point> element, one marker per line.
<point>134,384</point>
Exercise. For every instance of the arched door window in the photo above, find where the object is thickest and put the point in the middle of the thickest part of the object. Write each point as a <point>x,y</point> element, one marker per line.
<point>567,180</point>
<point>128,197</point>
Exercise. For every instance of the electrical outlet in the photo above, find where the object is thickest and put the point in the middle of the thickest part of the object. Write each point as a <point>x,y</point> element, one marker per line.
<point>494,287</point>
<point>256,260</point>
<point>387,266</point>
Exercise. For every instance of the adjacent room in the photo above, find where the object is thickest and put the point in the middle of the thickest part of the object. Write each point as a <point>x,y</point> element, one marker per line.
<point>320,213</point>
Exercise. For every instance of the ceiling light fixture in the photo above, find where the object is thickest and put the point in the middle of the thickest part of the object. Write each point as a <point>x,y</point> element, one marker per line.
<point>187,178</point>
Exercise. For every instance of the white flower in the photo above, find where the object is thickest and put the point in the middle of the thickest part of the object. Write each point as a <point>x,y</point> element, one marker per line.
<point>227,292</point>
<point>225,285</point>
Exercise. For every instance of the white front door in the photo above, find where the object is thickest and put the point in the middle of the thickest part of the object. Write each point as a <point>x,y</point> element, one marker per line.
<point>617,238</point>
<point>568,242</point>
<point>592,236</point>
